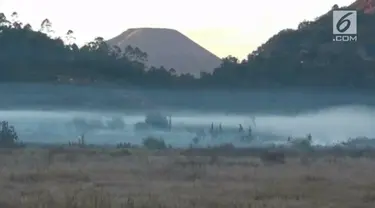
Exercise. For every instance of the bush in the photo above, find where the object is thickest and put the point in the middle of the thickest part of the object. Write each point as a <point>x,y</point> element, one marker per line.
<point>157,120</point>
<point>80,143</point>
<point>154,143</point>
<point>273,157</point>
<point>125,145</point>
<point>120,153</point>
<point>8,135</point>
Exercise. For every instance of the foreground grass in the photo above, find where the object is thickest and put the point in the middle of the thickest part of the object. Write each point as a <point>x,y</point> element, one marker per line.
<point>106,178</point>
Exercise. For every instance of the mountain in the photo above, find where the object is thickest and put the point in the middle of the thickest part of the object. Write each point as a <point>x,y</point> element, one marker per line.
<point>168,48</point>
<point>308,56</point>
<point>314,38</point>
<point>303,58</point>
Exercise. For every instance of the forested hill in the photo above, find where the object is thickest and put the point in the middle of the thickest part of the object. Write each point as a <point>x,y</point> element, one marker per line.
<point>306,57</point>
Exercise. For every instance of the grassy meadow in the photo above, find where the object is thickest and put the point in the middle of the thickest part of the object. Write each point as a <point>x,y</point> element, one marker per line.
<point>93,177</point>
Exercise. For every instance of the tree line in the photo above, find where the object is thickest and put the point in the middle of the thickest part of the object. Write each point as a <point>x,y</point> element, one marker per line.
<point>305,57</point>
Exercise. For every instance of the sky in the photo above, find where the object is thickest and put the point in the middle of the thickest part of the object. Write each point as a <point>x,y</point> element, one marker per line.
<point>235,27</point>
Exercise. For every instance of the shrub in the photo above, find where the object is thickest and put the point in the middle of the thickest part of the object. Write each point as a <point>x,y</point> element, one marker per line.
<point>80,143</point>
<point>125,145</point>
<point>8,135</point>
<point>273,157</point>
<point>154,143</point>
<point>157,120</point>
<point>120,153</point>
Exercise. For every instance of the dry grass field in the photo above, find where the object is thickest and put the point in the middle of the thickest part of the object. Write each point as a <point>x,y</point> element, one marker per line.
<point>106,178</point>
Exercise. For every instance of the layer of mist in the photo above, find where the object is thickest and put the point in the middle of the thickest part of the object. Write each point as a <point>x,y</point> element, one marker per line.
<point>45,113</point>
<point>328,126</point>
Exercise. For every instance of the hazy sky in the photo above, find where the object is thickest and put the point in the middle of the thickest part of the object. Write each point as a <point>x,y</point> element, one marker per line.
<point>225,27</point>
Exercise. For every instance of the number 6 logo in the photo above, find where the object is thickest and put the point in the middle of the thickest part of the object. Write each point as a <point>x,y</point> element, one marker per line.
<point>342,21</point>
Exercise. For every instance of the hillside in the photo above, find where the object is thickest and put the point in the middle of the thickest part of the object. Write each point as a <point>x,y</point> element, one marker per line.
<point>317,35</point>
<point>367,6</point>
<point>308,56</point>
<point>302,58</point>
<point>168,48</point>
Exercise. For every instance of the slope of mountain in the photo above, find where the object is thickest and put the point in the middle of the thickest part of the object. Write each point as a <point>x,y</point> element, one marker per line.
<point>168,48</point>
<point>368,6</point>
<point>314,38</point>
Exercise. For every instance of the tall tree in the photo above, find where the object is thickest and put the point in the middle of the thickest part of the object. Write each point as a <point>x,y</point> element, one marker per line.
<point>15,21</point>
<point>46,27</point>
<point>3,21</point>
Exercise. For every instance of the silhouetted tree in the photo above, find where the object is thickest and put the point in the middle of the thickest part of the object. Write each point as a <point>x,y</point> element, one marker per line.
<point>305,57</point>
<point>46,27</point>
